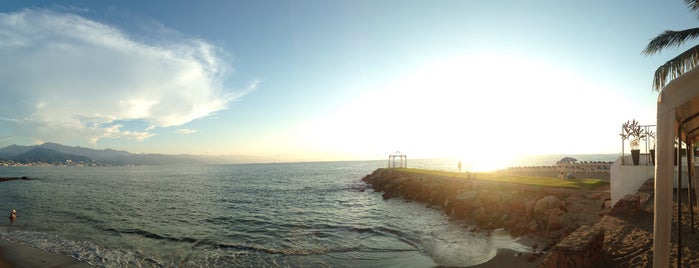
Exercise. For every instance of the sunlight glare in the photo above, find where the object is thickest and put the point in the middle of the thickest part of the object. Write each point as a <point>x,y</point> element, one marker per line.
<point>475,108</point>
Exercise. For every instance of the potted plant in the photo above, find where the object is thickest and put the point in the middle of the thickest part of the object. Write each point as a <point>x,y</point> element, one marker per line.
<point>632,131</point>
<point>651,136</point>
<point>624,136</point>
<point>682,152</point>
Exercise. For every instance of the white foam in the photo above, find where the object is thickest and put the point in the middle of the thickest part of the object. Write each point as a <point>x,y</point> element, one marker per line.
<point>83,251</point>
<point>457,247</point>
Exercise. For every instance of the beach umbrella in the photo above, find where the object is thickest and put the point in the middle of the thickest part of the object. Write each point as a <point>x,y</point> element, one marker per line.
<point>566,160</point>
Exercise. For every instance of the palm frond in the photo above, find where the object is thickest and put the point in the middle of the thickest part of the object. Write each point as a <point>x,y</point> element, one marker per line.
<point>676,67</point>
<point>692,4</point>
<point>670,38</point>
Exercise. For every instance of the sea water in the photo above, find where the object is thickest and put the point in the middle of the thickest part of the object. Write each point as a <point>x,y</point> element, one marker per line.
<point>248,215</point>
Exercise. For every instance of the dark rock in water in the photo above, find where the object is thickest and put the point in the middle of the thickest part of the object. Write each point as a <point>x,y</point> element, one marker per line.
<point>15,178</point>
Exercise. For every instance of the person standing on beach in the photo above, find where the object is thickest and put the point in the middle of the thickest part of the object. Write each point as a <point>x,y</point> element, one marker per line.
<point>459,166</point>
<point>13,216</point>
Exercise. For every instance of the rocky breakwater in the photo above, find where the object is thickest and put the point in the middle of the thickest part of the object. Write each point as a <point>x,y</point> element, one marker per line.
<point>520,209</point>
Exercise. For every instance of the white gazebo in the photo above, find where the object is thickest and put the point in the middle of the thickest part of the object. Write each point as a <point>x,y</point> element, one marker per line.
<point>678,118</point>
<point>397,160</point>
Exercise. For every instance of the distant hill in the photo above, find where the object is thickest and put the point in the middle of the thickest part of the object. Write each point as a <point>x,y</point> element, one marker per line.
<point>54,153</point>
<point>13,150</point>
<point>49,156</point>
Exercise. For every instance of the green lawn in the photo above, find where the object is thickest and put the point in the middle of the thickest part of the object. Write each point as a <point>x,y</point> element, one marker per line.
<point>587,184</point>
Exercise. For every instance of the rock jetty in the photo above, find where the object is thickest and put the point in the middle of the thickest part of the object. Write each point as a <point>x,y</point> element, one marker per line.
<point>520,209</point>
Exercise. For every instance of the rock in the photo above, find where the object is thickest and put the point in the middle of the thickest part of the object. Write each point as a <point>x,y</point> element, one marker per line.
<point>480,216</point>
<point>14,178</point>
<point>533,225</point>
<point>607,204</point>
<point>575,199</point>
<point>557,221</point>
<point>467,196</point>
<point>518,209</point>
<point>648,186</point>
<point>627,205</point>
<point>529,205</point>
<point>547,202</point>
<point>582,248</point>
<point>576,207</point>
<point>515,205</point>
<point>553,211</point>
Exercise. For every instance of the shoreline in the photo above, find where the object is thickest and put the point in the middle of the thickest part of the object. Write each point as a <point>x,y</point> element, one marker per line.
<point>13,254</point>
<point>509,257</point>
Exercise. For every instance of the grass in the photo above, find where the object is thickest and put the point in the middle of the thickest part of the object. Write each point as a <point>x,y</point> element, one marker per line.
<point>587,184</point>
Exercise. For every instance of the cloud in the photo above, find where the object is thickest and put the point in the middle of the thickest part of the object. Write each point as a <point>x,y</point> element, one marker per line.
<point>64,75</point>
<point>185,131</point>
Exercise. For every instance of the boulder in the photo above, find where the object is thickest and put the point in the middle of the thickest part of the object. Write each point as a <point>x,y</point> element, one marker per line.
<point>557,221</point>
<point>529,205</point>
<point>582,248</point>
<point>553,211</point>
<point>481,216</point>
<point>627,205</point>
<point>547,202</point>
<point>534,225</point>
<point>467,196</point>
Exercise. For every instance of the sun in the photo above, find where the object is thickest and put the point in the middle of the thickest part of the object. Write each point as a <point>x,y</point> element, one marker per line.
<point>485,110</point>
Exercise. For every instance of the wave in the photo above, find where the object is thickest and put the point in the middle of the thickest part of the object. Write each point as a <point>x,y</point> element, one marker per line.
<point>83,251</point>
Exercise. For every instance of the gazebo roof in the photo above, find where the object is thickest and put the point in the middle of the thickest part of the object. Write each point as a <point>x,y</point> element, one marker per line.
<point>398,154</point>
<point>681,97</point>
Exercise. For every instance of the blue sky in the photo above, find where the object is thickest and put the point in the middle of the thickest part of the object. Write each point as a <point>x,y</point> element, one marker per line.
<point>330,80</point>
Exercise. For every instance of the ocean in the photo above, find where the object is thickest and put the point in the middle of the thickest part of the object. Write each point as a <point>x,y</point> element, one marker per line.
<point>244,215</point>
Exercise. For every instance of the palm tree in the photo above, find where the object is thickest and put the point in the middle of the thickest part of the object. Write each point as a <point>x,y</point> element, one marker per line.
<point>683,62</point>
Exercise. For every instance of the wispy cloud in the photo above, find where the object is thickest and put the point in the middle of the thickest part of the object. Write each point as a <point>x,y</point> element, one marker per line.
<point>65,75</point>
<point>185,131</point>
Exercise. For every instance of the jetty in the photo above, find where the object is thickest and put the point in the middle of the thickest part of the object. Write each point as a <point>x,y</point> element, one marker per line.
<point>550,208</point>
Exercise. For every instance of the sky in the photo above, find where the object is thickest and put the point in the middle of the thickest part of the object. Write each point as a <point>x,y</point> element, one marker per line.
<point>331,80</point>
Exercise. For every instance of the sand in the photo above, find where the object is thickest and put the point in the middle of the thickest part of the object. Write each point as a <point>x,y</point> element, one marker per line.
<point>629,238</point>
<point>21,256</point>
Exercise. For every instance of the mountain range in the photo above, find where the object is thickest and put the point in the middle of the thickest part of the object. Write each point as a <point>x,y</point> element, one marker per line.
<point>54,153</point>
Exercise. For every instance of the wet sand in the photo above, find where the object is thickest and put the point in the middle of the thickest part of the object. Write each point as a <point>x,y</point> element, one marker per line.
<point>20,256</point>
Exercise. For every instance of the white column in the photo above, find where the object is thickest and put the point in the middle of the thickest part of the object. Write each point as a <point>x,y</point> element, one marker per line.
<point>664,172</point>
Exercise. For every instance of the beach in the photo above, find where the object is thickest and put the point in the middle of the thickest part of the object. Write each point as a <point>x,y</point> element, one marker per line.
<point>20,256</point>
<point>629,236</point>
